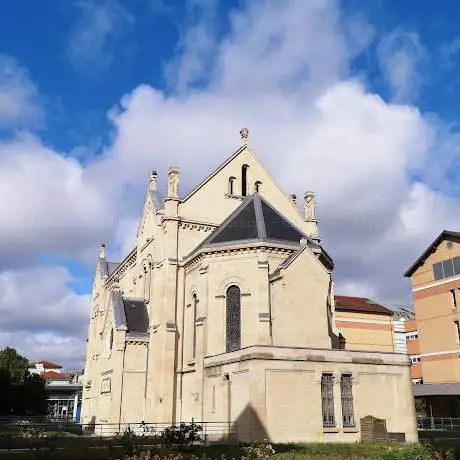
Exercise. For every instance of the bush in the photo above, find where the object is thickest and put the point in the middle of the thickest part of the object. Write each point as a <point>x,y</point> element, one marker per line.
<point>258,451</point>
<point>183,436</point>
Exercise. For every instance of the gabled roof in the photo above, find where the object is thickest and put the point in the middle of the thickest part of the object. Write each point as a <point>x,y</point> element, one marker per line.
<point>430,249</point>
<point>210,176</point>
<point>129,313</point>
<point>107,268</point>
<point>52,375</point>
<point>46,365</point>
<point>136,315</point>
<point>359,304</point>
<point>255,220</point>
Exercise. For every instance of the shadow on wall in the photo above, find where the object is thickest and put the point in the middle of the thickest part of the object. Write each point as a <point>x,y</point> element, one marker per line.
<point>246,428</point>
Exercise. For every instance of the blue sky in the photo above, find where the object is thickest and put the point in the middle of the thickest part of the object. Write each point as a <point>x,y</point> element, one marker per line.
<point>355,100</point>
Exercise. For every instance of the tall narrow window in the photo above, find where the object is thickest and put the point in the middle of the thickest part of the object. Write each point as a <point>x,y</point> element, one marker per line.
<point>244,180</point>
<point>258,186</point>
<point>231,186</point>
<point>457,330</point>
<point>233,318</point>
<point>454,298</point>
<point>194,313</point>
<point>327,400</point>
<point>346,393</point>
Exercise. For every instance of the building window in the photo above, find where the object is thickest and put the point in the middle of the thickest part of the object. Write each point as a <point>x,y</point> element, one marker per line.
<point>147,281</point>
<point>327,400</point>
<point>258,186</point>
<point>457,330</point>
<point>412,336</point>
<point>111,340</point>
<point>415,359</point>
<point>244,180</point>
<point>233,319</point>
<point>346,393</point>
<point>446,268</point>
<point>417,381</point>
<point>194,313</point>
<point>454,298</point>
<point>231,185</point>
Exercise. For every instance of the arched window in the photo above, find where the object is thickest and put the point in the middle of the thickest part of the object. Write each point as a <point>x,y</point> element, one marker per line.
<point>244,180</point>
<point>232,186</point>
<point>194,313</point>
<point>233,319</point>
<point>258,186</point>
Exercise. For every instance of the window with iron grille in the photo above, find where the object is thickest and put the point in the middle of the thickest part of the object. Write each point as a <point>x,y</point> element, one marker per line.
<point>233,319</point>
<point>346,390</point>
<point>327,400</point>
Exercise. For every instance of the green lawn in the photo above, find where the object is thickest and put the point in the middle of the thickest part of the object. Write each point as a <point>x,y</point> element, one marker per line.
<point>219,452</point>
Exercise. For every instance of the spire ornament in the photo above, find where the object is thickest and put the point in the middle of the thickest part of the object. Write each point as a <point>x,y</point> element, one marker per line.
<point>244,134</point>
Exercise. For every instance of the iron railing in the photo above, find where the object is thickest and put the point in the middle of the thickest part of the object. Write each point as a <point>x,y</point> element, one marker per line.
<point>210,431</point>
<point>438,423</point>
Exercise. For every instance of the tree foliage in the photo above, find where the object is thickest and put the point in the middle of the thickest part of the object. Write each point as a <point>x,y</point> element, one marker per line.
<point>22,393</point>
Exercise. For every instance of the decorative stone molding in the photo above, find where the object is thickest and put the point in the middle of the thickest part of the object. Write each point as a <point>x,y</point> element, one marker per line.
<point>214,371</point>
<point>200,320</point>
<point>171,326</point>
<point>196,226</point>
<point>234,197</point>
<point>264,317</point>
<point>204,270</point>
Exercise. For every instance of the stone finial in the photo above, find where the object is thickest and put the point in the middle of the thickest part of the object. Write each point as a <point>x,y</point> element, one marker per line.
<point>294,199</point>
<point>310,206</point>
<point>244,133</point>
<point>153,181</point>
<point>173,182</point>
<point>102,253</point>
<point>310,215</point>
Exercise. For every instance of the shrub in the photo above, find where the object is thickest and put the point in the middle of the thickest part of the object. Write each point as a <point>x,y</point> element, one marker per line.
<point>182,436</point>
<point>258,451</point>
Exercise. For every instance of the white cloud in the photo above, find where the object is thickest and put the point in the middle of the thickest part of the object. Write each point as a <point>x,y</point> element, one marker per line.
<point>283,71</point>
<point>41,316</point>
<point>100,24</point>
<point>19,104</point>
<point>400,56</point>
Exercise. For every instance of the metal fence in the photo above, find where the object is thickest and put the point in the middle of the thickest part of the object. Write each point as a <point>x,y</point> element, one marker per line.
<point>209,431</point>
<point>439,423</point>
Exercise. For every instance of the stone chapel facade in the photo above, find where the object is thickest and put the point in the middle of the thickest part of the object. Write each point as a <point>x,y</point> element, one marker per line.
<point>224,312</point>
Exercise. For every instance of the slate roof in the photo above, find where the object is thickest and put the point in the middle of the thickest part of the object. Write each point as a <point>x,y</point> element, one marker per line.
<point>136,315</point>
<point>107,268</point>
<point>255,220</point>
<point>430,249</point>
<point>437,389</point>
<point>130,313</point>
<point>360,304</point>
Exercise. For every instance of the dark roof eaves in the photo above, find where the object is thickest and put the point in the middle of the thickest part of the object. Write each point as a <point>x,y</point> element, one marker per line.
<point>428,251</point>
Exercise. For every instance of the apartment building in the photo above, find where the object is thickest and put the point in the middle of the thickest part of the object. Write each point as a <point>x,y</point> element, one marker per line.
<point>364,324</point>
<point>434,336</point>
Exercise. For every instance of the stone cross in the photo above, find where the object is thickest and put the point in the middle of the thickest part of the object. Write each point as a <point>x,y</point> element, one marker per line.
<point>244,133</point>
<point>310,205</point>
<point>153,181</point>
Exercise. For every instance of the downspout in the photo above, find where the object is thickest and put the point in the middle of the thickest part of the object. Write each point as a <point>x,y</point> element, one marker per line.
<point>181,375</point>
<point>122,379</point>
<point>146,379</point>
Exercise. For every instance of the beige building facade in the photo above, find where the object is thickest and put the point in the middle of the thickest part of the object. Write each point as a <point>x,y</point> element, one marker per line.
<point>224,312</point>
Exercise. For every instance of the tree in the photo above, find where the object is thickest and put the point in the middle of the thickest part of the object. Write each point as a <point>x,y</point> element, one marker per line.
<point>22,393</point>
<point>14,364</point>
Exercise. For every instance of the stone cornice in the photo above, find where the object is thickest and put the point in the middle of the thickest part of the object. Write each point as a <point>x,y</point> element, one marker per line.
<point>126,264</point>
<point>248,248</point>
<point>323,355</point>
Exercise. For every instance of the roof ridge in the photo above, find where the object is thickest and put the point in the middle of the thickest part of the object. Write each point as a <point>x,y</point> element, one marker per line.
<point>260,221</point>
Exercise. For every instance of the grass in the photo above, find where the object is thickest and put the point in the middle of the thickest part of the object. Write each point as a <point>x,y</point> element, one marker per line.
<point>356,451</point>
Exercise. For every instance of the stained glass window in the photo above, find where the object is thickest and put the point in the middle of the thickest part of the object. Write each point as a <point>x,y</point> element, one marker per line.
<point>346,390</point>
<point>233,318</point>
<point>327,400</point>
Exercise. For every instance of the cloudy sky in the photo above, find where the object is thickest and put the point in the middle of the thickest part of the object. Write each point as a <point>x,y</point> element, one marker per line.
<point>355,100</point>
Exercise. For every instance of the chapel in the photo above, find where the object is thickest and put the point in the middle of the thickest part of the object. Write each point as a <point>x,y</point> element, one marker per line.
<point>224,313</point>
